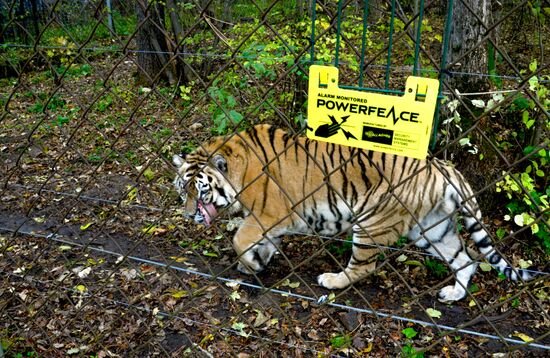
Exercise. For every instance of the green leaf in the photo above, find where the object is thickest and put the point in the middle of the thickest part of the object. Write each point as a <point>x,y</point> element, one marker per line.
<point>236,116</point>
<point>231,101</point>
<point>525,264</point>
<point>239,326</point>
<point>85,226</point>
<point>73,351</point>
<point>525,117</point>
<point>177,293</point>
<point>533,65</point>
<point>340,341</point>
<point>433,313</point>
<point>413,263</point>
<point>409,332</point>
<point>484,266</point>
<point>464,141</point>
<point>290,284</point>
<point>479,103</point>
<point>235,295</point>
<point>209,253</point>
<point>501,233</point>
<point>523,336</point>
<point>149,174</point>
<point>521,103</point>
<point>402,258</point>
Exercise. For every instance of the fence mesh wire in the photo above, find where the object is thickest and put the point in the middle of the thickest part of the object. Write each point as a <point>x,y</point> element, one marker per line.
<point>98,257</point>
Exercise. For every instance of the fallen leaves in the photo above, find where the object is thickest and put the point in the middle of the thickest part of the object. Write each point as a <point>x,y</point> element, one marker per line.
<point>433,313</point>
<point>177,293</point>
<point>239,327</point>
<point>522,336</point>
<point>86,226</point>
<point>287,283</point>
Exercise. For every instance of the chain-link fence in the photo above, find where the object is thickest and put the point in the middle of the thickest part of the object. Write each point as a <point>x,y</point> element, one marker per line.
<point>99,257</point>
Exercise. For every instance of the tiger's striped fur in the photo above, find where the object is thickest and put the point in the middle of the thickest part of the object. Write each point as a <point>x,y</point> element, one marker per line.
<point>286,184</point>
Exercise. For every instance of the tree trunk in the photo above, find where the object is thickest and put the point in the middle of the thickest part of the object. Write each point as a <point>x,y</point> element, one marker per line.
<point>151,38</point>
<point>466,33</point>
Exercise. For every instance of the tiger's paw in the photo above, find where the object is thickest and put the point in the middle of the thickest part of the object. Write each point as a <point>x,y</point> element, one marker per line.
<point>451,293</point>
<point>250,264</point>
<point>333,280</point>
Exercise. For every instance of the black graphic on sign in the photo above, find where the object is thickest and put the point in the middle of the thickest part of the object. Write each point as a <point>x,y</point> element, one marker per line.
<point>329,129</point>
<point>377,135</point>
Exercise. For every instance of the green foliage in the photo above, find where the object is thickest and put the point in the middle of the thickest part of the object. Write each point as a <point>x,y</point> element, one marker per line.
<point>408,350</point>
<point>224,114</point>
<point>54,104</point>
<point>36,108</point>
<point>409,332</point>
<point>187,147</point>
<point>525,187</point>
<point>340,248</point>
<point>402,241</point>
<point>340,341</point>
<point>186,91</point>
<point>104,103</point>
<point>436,268</point>
<point>528,195</point>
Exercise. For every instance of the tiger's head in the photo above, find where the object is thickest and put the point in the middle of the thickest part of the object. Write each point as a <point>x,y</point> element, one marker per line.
<point>203,186</point>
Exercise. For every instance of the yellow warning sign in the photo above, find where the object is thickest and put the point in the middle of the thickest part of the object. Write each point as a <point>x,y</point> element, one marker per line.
<point>386,123</point>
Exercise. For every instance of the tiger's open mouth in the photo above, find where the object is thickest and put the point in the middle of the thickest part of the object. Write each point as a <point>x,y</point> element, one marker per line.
<point>205,212</point>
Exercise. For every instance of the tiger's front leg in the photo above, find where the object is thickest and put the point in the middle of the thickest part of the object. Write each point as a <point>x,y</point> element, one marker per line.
<point>254,250</point>
<point>359,266</point>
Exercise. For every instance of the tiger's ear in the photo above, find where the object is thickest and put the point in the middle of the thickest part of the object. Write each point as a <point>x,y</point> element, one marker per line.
<point>177,160</point>
<point>220,163</point>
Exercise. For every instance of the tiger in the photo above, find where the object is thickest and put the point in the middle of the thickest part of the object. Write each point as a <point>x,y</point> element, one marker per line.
<point>284,183</point>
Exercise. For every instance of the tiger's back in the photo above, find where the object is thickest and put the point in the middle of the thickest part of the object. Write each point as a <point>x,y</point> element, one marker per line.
<point>287,184</point>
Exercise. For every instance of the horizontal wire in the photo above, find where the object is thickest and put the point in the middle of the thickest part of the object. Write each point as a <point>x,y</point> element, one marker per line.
<point>56,238</point>
<point>333,238</point>
<point>404,69</point>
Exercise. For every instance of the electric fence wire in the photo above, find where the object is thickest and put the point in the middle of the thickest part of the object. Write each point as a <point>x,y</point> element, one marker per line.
<point>319,300</point>
<point>330,238</point>
<point>398,69</point>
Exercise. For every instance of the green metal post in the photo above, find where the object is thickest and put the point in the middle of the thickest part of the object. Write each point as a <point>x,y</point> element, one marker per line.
<point>338,23</point>
<point>312,39</point>
<point>390,45</point>
<point>418,33</point>
<point>363,42</point>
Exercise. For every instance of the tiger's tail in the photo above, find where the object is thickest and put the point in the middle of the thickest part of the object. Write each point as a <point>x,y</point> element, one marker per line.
<point>473,223</point>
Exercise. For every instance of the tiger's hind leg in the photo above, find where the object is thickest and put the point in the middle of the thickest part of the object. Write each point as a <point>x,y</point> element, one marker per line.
<point>441,239</point>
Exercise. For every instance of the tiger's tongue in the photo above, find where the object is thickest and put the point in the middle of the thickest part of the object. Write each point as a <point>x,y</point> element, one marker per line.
<point>208,211</point>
